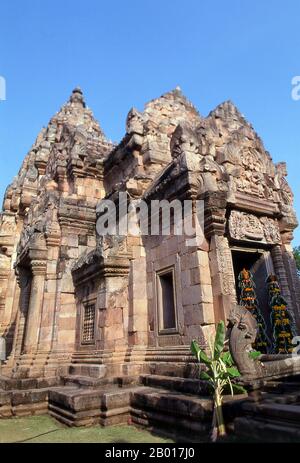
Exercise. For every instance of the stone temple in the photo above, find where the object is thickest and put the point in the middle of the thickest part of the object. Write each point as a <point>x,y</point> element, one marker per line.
<point>79,311</point>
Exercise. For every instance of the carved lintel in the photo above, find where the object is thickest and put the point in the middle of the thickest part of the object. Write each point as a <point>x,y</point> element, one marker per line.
<point>94,264</point>
<point>248,227</point>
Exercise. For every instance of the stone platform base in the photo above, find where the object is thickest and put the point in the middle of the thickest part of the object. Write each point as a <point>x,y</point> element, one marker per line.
<point>166,397</point>
<point>24,397</point>
<point>76,407</point>
<point>175,406</point>
<point>23,403</point>
<point>171,405</point>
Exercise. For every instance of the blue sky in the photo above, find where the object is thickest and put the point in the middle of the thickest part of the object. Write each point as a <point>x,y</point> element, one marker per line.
<point>124,53</point>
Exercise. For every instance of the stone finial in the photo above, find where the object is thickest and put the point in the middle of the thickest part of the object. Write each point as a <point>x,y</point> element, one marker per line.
<point>77,97</point>
<point>177,92</point>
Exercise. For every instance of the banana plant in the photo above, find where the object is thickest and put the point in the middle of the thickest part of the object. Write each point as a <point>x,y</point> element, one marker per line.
<point>220,371</point>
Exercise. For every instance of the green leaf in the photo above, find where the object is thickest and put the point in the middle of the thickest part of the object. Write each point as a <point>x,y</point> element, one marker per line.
<point>205,376</point>
<point>219,340</point>
<point>195,349</point>
<point>233,372</point>
<point>231,386</point>
<point>204,358</point>
<point>227,359</point>
<point>254,354</point>
<point>199,353</point>
<point>238,389</point>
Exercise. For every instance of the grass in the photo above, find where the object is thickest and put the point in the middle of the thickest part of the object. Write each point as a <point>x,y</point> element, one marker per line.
<point>44,429</point>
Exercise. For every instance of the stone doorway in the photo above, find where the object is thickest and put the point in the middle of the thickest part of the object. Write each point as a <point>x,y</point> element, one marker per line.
<point>260,264</point>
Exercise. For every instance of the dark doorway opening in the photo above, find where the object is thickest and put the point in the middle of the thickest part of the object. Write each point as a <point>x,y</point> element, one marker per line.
<point>255,262</point>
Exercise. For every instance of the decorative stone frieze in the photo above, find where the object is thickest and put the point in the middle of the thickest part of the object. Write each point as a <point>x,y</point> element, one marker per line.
<point>248,227</point>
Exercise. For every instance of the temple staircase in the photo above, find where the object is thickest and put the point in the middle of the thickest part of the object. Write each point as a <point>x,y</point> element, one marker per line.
<point>88,397</point>
<point>272,414</point>
<point>174,406</point>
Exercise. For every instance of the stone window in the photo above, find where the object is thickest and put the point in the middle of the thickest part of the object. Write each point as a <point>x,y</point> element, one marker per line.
<point>166,298</point>
<point>88,324</point>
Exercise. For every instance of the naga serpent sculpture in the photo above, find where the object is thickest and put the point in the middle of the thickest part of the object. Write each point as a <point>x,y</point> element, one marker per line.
<point>242,330</point>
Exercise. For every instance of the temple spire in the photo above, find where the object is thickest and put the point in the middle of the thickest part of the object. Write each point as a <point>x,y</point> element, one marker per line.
<point>77,97</point>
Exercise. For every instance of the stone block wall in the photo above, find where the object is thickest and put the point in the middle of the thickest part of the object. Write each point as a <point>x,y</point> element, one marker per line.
<point>193,289</point>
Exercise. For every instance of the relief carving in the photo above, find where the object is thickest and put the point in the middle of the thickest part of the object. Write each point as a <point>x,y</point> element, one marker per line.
<point>248,227</point>
<point>225,266</point>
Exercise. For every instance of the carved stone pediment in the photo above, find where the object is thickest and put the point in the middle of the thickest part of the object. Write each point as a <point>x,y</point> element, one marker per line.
<point>248,227</point>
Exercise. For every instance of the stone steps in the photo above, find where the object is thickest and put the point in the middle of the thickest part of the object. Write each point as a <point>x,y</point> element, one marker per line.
<point>181,407</point>
<point>184,416</point>
<point>94,383</point>
<point>171,405</point>
<point>290,398</point>
<point>260,430</point>
<point>274,417</point>
<point>84,381</point>
<point>23,402</point>
<point>9,384</point>
<point>108,405</point>
<point>90,370</point>
<point>179,384</point>
<point>283,412</point>
<point>157,402</point>
<point>283,387</point>
<point>178,369</point>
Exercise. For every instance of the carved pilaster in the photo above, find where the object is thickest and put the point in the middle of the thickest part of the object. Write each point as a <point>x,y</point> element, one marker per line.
<point>280,270</point>
<point>293,280</point>
<point>223,281</point>
<point>61,178</point>
<point>215,211</point>
<point>33,318</point>
<point>24,279</point>
<point>4,275</point>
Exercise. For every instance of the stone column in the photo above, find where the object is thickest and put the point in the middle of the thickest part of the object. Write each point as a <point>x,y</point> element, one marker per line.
<point>293,281</point>
<point>223,280</point>
<point>48,321</point>
<point>4,275</point>
<point>280,271</point>
<point>35,306</point>
<point>220,258</point>
<point>24,284</point>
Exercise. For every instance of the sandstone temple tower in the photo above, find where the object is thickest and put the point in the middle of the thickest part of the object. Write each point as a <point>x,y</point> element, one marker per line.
<point>128,304</point>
